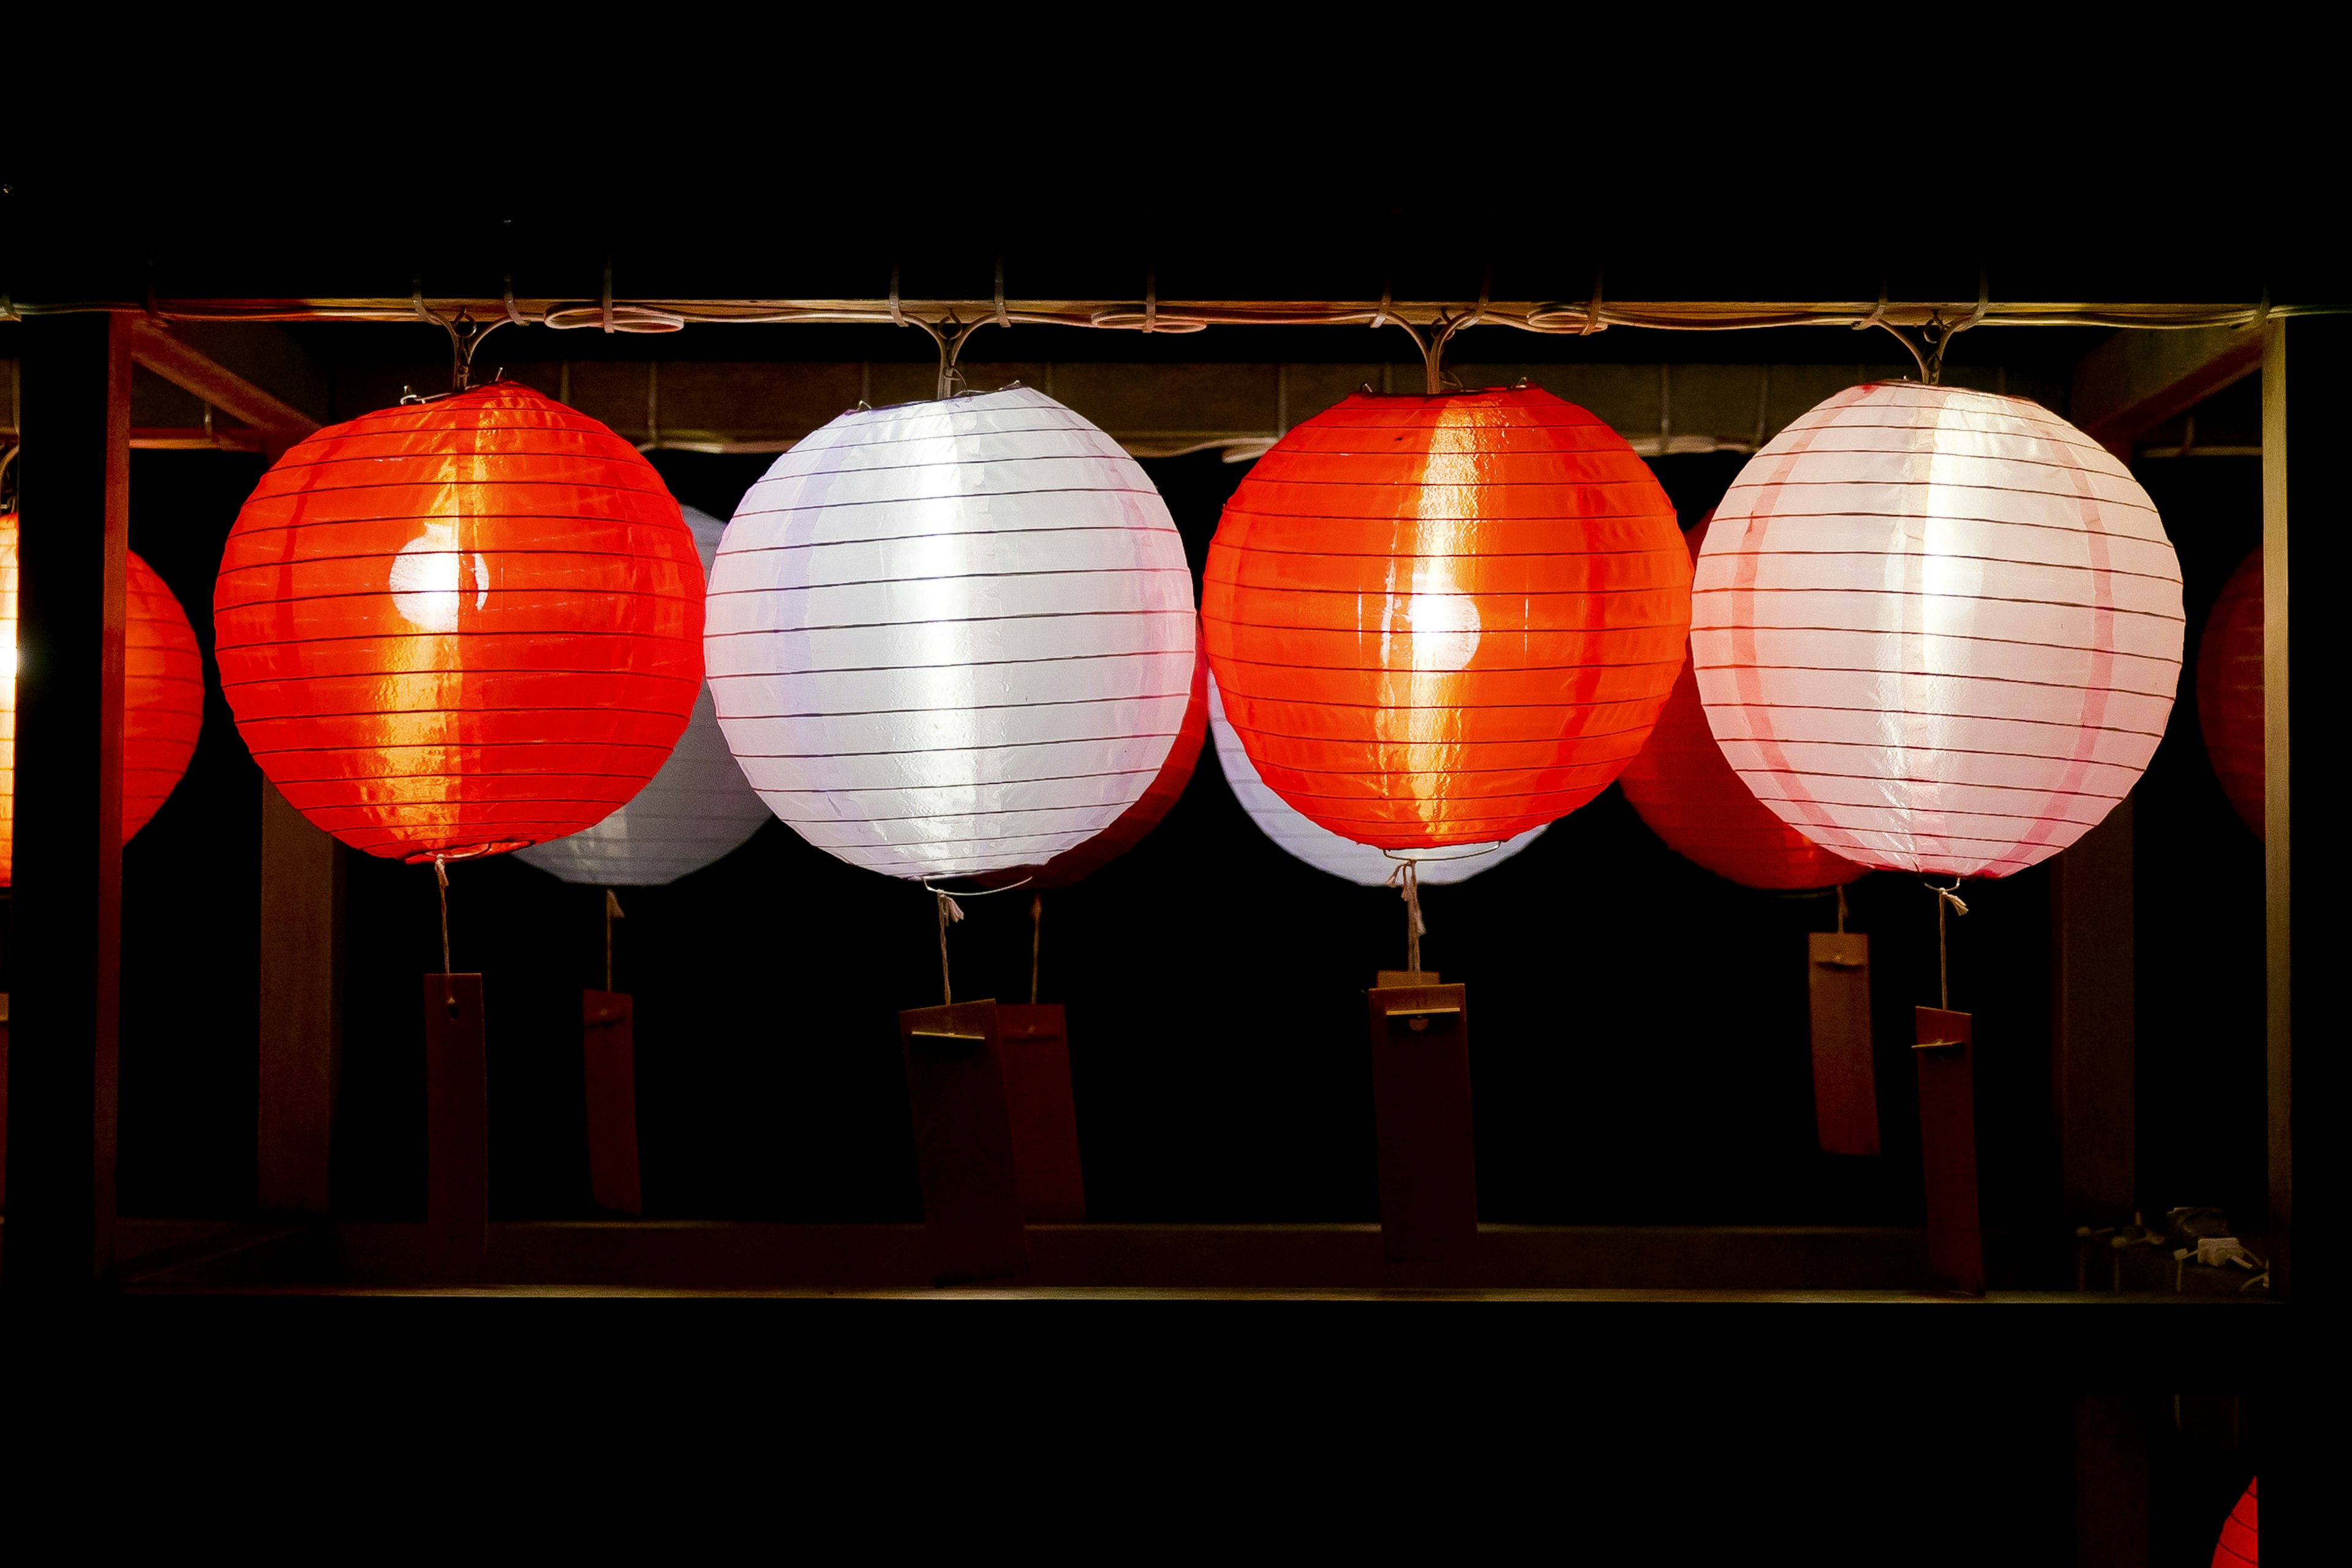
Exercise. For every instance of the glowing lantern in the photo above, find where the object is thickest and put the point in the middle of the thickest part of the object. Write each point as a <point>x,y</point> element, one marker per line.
<point>1445,620</point>
<point>1319,847</point>
<point>694,810</point>
<point>162,696</point>
<point>460,627</point>
<point>1690,798</point>
<point>955,637</point>
<point>2241,1543</point>
<point>2230,689</point>
<point>1936,630</point>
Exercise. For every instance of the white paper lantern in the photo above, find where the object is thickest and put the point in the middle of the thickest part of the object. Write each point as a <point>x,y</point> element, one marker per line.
<point>694,810</point>
<point>951,637</point>
<point>1936,630</point>
<point>1323,849</point>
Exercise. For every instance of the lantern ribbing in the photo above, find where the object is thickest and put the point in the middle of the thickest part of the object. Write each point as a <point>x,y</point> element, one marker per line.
<point>1936,630</point>
<point>1443,620</point>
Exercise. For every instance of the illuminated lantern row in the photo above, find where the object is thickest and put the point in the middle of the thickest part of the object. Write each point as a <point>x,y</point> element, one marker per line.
<point>162,696</point>
<point>460,627</point>
<point>1687,793</point>
<point>1936,630</point>
<point>1319,847</point>
<point>1445,620</point>
<point>1136,823</point>
<point>951,638</point>
<point>2230,689</point>
<point>694,810</point>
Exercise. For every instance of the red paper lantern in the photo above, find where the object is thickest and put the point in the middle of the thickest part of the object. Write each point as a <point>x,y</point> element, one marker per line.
<point>2241,1543</point>
<point>460,627</point>
<point>1446,619</point>
<point>1688,793</point>
<point>162,696</point>
<point>2230,689</point>
<point>1137,821</point>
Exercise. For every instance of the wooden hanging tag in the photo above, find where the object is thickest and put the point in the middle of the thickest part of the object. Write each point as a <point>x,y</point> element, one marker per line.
<point>1945,1051</point>
<point>1846,1089</point>
<point>608,1059</point>
<point>1035,1041</point>
<point>1420,1097</point>
<point>457,1122</point>
<point>1389,978</point>
<point>964,1142</point>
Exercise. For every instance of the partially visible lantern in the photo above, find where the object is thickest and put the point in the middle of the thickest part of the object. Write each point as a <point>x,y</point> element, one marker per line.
<point>950,638</point>
<point>1936,630</point>
<point>1687,793</point>
<point>461,626</point>
<point>694,810</point>
<point>2230,689</point>
<point>1445,620</point>
<point>2241,1545</point>
<point>162,695</point>
<point>1319,847</point>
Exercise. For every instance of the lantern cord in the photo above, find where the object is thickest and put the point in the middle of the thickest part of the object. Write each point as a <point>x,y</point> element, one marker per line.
<point>950,335</point>
<point>950,912</point>
<point>1936,334</point>
<point>612,912</point>
<point>1406,880</point>
<point>1841,898</point>
<point>1036,940</point>
<point>1944,896</point>
<point>441,880</point>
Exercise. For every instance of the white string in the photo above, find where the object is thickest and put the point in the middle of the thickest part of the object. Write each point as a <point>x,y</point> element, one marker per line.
<point>1406,878</point>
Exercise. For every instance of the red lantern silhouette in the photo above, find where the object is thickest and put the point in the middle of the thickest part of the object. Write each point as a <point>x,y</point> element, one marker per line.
<point>1446,619</point>
<point>1690,798</point>
<point>2241,1543</point>
<point>2230,689</point>
<point>1133,824</point>
<point>162,696</point>
<point>460,627</point>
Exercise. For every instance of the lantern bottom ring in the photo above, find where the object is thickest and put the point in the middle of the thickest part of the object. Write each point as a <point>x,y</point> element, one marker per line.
<point>470,852</point>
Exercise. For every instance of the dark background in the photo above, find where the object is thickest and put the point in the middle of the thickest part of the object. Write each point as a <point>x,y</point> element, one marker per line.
<point>1640,1025</point>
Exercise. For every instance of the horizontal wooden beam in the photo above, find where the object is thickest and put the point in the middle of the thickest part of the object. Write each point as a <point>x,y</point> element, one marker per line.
<point>2136,381</point>
<point>156,346</point>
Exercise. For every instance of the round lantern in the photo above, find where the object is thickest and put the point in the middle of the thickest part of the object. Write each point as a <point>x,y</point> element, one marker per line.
<point>162,695</point>
<point>1936,630</point>
<point>1445,620</point>
<point>955,637</point>
<point>2241,1543</point>
<point>2230,689</point>
<point>1687,793</point>
<point>1319,847</point>
<point>694,810</point>
<point>461,626</point>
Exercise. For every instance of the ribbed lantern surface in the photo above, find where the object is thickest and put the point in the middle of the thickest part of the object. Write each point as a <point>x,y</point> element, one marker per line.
<point>1445,620</point>
<point>695,811</point>
<point>953,638</point>
<point>162,696</point>
<point>2240,1544</point>
<point>1687,793</point>
<point>1936,630</point>
<point>1136,823</point>
<point>1319,847</point>
<point>2230,689</point>
<point>460,627</point>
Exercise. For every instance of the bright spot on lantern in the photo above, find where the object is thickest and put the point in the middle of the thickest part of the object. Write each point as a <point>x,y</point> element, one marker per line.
<point>1936,630</point>
<point>695,810</point>
<point>1319,847</point>
<point>1680,786</point>
<point>2230,689</point>
<point>955,637</point>
<point>1445,620</point>
<point>162,696</point>
<point>460,627</point>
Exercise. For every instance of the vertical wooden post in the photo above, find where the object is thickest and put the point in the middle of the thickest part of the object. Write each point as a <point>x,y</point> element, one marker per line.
<point>1035,1040</point>
<point>457,1122</point>
<point>2278,838</point>
<point>301,1007</point>
<point>2092,1022</point>
<point>1845,1080</point>
<point>964,1142</point>
<point>1945,1050</point>
<point>609,1068</point>
<point>1420,1099</point>
<point>67,1002</point>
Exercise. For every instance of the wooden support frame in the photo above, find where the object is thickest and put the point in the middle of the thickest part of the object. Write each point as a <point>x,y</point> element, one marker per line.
<point>66,904</point>
<point>301,1020</point>
<point>2092,1024</point>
